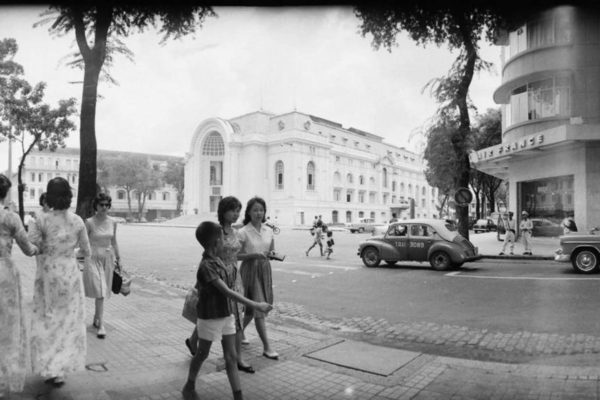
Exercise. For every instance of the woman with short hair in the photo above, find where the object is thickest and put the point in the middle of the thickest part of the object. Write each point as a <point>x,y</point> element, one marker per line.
<point>13,339</point>
<point>58,343</point>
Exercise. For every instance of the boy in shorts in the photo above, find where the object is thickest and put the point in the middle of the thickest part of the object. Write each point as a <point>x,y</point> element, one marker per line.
<point>216,322</point>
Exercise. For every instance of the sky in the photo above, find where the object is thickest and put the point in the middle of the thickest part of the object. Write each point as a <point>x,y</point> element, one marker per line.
<point>311,59</point>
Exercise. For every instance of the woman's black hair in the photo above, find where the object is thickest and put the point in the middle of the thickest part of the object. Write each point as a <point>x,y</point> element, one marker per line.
<point>227,204</point>
<point>251,204</point>
<point>58,193</point>
<point>5,185</point>
<point>43,199</point>
<point>101,197</point>
<point>207,233</point>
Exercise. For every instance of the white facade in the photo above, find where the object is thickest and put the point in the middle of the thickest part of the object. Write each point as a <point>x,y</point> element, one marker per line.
<point>41,166</point>
<point>303,166</point>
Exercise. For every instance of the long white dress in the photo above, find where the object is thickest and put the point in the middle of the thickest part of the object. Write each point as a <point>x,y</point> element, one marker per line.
<point>58,333</point>
<point>13,339</point>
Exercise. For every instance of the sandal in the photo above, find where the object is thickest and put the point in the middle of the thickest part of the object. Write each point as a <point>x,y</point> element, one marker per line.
<point>246,368</point>
<point>272,356</point>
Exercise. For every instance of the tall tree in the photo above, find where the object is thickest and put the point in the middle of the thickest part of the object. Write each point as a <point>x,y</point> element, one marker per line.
<point>96,25</point>
<point>27,120</point>
<point>460,26</point>
<point>173,175</point>
<point>148,180</point>
<point>124,172</point>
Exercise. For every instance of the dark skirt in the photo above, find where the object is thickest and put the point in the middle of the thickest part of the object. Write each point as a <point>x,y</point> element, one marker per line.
<point>258,282</point>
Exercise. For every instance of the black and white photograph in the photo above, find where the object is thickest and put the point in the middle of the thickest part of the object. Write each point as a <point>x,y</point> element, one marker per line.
<point>368,201</point>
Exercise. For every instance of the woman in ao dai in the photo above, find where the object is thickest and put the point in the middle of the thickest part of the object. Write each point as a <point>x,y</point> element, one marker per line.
<point>13,339</point>
<point>58,343</point>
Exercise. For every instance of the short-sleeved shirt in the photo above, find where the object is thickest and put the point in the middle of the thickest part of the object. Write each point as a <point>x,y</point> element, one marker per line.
<point>212,303</point>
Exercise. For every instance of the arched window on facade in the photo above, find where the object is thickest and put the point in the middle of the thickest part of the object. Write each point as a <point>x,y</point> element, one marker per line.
<point>348,216</point>
<point>279,175</point>
<point>402,187</point>
<point>310,176</point>
<point>361,179</point>
<point>385,178</point>
<point>423,192</point>
<point>213,145</point>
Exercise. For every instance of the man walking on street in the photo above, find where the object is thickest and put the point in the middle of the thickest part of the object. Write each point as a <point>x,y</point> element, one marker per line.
<point>526,228</point>
<point>511,228</point>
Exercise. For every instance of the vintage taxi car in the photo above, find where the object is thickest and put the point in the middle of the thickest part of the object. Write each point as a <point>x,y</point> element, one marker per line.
<point>582,251</point>
<point>431,240</point>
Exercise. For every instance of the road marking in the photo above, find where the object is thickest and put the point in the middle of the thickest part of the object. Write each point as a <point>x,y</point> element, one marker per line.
<point>297,272</point>
<point>456,274</point>
<point>324,266</point>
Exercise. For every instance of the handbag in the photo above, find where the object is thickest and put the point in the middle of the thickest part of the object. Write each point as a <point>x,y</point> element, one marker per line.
<point>121,280</point>
<point>189,306</point>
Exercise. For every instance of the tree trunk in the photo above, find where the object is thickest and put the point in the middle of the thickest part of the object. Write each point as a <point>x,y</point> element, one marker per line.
<point>128,202</point>
<point>459,141</point>
<point>21,189</point>
<point>87,142</point>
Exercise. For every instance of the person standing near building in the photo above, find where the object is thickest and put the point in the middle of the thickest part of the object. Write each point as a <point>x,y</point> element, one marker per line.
<point>526,228</point>
<point>569,225</point>
<point>509,237</point>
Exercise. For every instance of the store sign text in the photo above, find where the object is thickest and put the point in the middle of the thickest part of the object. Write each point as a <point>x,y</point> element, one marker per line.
<point>514,147</point>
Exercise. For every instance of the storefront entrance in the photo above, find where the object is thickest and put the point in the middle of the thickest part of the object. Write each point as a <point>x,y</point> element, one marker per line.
<point>550,198</point>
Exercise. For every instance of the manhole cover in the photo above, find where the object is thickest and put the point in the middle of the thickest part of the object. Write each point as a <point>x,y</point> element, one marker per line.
<point>364,357</point>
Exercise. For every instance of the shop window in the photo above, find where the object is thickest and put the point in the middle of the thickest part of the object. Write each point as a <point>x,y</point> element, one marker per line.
<point>542,198</point>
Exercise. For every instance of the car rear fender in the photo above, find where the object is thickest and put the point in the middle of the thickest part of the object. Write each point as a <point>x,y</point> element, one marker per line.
<point>449,248</point>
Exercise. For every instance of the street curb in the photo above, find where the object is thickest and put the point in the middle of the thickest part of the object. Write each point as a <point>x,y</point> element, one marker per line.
<point>518,257</point>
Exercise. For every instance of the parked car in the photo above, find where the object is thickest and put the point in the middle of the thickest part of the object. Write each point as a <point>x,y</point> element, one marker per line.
<point>381,229</point>
<point>545,227</point>
<point>363,225</point>
<point>484,225</point>
<point>160,219</point>
<point>582,251</point>
<point>419,240</point>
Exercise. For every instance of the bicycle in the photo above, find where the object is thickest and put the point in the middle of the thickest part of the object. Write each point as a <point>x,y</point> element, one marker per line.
<point>275,228</point>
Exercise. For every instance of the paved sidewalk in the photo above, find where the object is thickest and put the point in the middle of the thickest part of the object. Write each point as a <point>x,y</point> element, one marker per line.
<point>144,357</point>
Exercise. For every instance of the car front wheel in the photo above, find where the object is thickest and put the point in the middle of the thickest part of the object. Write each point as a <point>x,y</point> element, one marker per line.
<point>371,257</point>
<point>440,261</point>
<point>586,261</point>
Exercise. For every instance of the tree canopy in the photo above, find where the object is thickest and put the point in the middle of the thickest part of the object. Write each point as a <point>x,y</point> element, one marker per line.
<point>98,27</point>
<point>25,118</point>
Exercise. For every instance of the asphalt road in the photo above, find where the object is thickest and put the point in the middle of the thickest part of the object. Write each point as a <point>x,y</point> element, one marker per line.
<point>506,296</point>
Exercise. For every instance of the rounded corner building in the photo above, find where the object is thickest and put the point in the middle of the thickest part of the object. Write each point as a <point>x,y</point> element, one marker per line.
<point>550,99</point>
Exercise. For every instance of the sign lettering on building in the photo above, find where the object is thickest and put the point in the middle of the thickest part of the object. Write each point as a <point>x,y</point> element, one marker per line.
<point>508,148</point>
